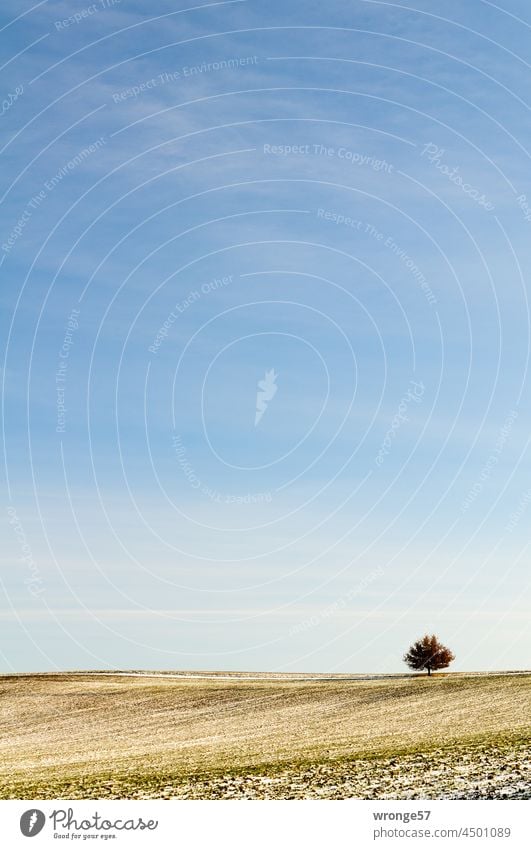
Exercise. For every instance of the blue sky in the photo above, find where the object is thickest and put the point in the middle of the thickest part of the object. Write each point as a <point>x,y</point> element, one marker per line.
<point>195,197</point>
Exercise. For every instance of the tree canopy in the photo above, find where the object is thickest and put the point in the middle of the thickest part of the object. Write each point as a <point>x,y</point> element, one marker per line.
<point>428,653</point>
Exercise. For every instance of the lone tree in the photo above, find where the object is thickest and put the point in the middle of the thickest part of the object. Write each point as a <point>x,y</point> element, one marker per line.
<point>428,653</point>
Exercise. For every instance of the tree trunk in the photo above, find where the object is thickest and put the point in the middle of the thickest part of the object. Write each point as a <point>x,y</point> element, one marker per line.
<point>429,670</point>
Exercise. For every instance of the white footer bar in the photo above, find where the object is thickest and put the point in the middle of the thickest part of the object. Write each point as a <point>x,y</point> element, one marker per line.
<point>272,824</point>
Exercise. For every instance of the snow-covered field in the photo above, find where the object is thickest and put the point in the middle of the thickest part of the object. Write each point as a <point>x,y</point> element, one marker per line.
<point>227,735</point>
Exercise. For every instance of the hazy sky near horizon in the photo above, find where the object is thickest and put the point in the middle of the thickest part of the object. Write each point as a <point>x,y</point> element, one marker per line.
<point>265,331</point>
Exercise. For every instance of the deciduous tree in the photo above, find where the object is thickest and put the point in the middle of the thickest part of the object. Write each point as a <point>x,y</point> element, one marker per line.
<point>428,653</point>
